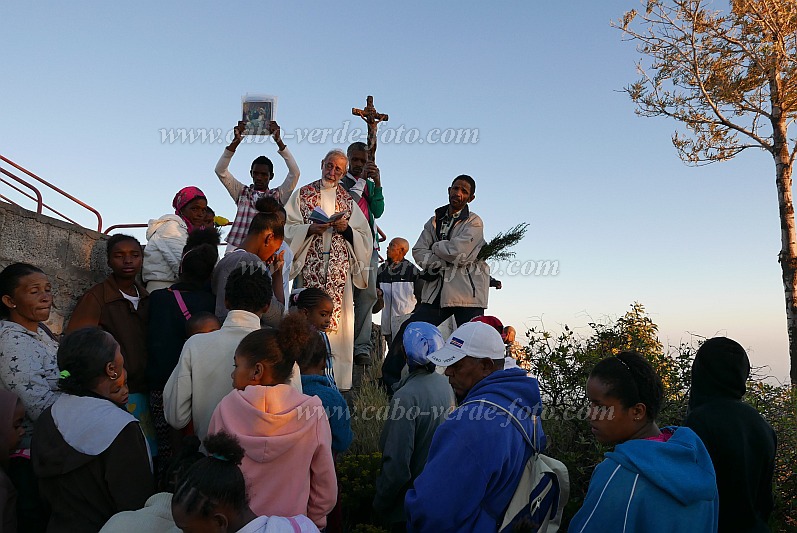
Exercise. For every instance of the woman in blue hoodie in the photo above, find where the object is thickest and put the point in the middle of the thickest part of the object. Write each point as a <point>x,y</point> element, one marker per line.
<point>655,479</point>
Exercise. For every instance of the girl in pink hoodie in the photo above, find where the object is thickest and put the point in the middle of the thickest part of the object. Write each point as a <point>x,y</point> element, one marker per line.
<point>285,434</point>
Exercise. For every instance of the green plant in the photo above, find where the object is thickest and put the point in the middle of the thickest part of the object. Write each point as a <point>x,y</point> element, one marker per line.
<point>498,247</point>
<point>370,404</point>
<point>778,404</point>
<point>357,475</point>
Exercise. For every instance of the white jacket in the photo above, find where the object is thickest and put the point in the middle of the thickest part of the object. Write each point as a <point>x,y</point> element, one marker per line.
<point>166,237</point>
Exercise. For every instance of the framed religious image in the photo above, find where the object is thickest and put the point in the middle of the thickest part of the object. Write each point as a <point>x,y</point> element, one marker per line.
<point>257,111</point>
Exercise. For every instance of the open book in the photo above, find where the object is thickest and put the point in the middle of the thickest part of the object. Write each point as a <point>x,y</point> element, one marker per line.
<point>318,215</point>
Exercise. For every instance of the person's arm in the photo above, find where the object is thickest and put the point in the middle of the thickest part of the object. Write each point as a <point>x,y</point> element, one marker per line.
<point>277,286</point>
<point>178,392</point>
<point>380,301</point>
<point>323,481</point>
<point>22,372</point>
<point>86,314</point>
<point>128,475</point>
<point>462,248</point>
<point>233,186</point>
<point>398,434</point>
<point>422,251</point>
<point>376,201</point>
<point>337,411</point>
<point>292,179</point>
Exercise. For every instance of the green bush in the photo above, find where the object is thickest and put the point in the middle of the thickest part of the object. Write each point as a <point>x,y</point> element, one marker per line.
<point>357,475</point>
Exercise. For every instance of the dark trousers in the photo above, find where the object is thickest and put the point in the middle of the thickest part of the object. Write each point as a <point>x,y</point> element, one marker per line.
<point>431,313</point>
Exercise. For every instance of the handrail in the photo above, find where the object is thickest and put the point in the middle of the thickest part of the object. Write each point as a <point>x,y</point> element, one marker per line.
<point>56,189</point>
<point>26,184</point>
<point>40,203</point>
<point>109,229</point>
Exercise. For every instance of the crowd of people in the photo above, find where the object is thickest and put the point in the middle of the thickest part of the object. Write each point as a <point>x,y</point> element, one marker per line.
<point>197,392</point>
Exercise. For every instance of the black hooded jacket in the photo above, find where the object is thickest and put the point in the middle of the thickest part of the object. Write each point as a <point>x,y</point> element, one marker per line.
<point>740,442</point>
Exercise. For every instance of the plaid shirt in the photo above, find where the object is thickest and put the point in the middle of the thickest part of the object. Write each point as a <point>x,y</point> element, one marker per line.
<point>246,197</point>
<point>246,213</point>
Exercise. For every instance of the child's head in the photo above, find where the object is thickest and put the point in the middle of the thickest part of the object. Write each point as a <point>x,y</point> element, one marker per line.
<point>211,496</point>
<point>267,356</point>
<point>314,359</point>
<point>203,322</point>
<point>267,227</point>
<point>248,288</point>
<point>180,463</point>
<point>210,214</point>
<point>317,306</point>
<point>198,262</point>
<point>12,413</point>
<point>625,396</point>
<point>125,256</point>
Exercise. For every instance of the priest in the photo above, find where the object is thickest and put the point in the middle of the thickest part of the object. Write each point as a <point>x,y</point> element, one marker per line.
<point>333,256</point>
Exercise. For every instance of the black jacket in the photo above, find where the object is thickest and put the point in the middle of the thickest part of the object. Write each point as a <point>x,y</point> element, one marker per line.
<point>740,442</point>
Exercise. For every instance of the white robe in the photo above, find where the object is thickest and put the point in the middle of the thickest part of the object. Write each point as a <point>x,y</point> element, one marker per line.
<point>341,341</point>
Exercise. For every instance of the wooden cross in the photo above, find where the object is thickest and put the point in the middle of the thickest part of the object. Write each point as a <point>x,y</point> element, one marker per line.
<point>372,118</point>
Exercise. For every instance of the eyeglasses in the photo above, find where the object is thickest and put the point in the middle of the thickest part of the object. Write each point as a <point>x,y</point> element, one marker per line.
<point>334,169</point>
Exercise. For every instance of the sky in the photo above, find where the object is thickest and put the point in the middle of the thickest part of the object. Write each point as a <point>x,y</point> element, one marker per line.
<point>90,90</point>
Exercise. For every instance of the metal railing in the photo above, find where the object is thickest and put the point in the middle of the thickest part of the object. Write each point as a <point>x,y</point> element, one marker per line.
<point>40,205</point>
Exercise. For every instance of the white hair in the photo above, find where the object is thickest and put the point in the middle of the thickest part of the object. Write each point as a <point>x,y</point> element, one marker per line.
<point>337,153</point>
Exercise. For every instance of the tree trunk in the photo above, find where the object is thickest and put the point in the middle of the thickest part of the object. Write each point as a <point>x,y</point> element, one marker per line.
<point>788,239</point>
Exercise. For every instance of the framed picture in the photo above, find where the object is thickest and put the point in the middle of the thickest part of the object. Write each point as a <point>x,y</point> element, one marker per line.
<point>257,111</point>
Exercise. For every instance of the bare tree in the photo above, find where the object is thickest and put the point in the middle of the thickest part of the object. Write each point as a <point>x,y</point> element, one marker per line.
<point>731,79</point>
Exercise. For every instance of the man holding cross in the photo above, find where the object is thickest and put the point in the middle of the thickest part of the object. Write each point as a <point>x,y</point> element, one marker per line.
<point>364,184</point>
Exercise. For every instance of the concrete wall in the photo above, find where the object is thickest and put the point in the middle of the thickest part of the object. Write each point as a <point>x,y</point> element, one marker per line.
<point>73,257</point>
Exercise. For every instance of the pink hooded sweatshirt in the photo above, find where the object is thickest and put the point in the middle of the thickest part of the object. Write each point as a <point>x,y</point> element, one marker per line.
<point>288,463</point>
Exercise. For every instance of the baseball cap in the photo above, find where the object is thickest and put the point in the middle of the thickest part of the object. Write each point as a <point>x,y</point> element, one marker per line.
<point>474,339</point>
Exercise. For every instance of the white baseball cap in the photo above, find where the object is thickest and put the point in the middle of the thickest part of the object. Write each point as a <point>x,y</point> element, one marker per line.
<point>474,339</point>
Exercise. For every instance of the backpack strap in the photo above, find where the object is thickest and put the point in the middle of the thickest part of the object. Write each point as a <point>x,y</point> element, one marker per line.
<point>529,441</point>
<point>294,524</point>
<point>48,332</point>
<point>181,303</point>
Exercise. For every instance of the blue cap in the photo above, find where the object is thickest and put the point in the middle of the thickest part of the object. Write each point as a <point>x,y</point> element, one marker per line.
<point>421,339</point>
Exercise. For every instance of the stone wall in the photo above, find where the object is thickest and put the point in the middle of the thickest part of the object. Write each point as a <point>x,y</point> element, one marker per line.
<point>73,257</point>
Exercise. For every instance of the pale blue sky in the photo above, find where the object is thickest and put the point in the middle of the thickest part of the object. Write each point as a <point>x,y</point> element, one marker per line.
<point>88,86</point>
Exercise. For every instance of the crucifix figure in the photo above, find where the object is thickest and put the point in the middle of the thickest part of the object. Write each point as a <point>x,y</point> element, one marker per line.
<point>372,118</point>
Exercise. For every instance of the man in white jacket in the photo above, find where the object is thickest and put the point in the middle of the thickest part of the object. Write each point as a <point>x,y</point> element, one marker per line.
<point>456,281</point>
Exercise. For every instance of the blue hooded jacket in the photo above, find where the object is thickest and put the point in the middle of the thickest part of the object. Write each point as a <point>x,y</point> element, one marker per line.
<point>476,458</point>
<point>646,485</point>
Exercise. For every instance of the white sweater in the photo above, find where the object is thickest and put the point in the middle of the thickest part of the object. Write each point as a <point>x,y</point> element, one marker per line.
<point>202,376</point>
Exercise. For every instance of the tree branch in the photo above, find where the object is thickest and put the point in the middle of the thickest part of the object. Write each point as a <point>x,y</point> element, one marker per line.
<point>709,100</point>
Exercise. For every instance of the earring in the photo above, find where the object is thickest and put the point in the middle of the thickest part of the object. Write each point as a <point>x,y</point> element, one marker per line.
<point>115,376</point>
